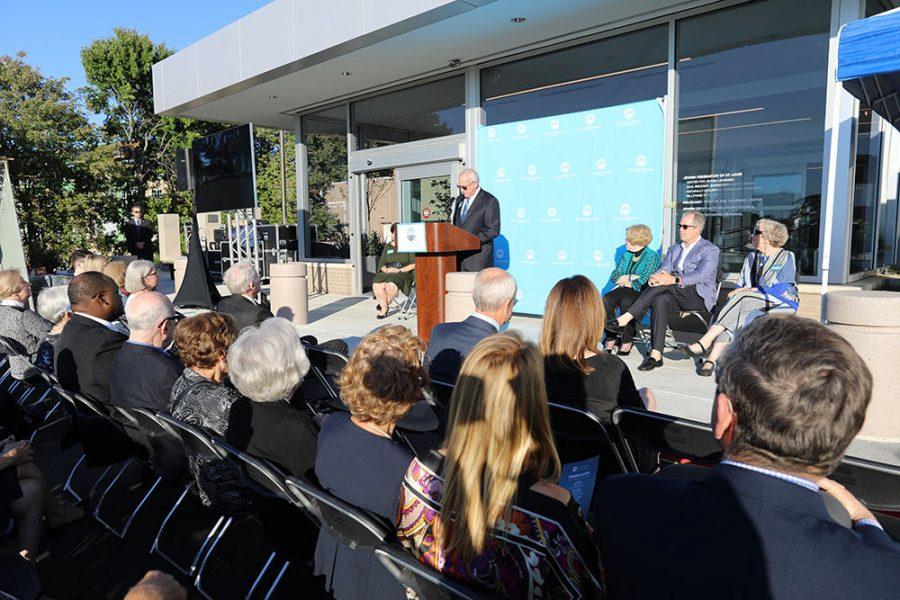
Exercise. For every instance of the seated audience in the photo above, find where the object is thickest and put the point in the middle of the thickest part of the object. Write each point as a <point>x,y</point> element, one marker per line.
<point>494,293</point>
<point>87,346</point>
<point>791,396</point>
<point>141,276</point>
<point>686,280</point>
<point>116,271</point>
<point>242,305</point>
<point>53,306</point>
<point>630,276</point>
<point>470,508</point>
<point>395,274</point>
<point>18,322</point>
<point>266,364</point>
<point>91,262</point>
<point>358,460</point>
<point>143,373</point>
<point>30,499</point>
<point>767,284</point>
<point>203,398</point>
<point>577,372</point>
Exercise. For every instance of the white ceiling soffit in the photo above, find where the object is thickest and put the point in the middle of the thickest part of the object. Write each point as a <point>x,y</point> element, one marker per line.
<point>192,82</point>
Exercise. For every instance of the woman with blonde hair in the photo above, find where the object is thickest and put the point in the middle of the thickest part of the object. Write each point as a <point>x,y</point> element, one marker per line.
<point>632,271</point>
<point>91,262</point>
<point>357,458</point>
<point>468,509</point>
<point>577,372</point>
<point>767,284</point>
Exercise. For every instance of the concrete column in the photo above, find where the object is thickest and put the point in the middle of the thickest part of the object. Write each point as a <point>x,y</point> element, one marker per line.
<point>870,321</point>
<point>288,292</point>
<point>458,303</point>
<point>180,266</point>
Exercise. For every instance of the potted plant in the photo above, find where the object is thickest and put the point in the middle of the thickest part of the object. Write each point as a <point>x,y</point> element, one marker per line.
<point>372,249</point>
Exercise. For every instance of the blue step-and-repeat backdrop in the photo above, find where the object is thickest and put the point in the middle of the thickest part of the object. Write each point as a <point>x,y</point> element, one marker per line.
<point>568,187</point>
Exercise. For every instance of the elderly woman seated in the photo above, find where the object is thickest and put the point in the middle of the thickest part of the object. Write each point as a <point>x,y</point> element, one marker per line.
<point>267,364</point>
<point>140,276</point>
<point>18,322</point>
<point>53,305</point>
<point>767,284</point>
<point>358,459</point>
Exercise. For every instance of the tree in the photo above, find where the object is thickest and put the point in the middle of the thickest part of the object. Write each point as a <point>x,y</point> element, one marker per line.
<point>58,164</point>
<point>268,175</point>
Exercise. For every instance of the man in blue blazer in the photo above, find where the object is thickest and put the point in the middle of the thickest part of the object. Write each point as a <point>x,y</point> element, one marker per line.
<point>791,396</point>
<point>686,280</point>
<point>494,294</point>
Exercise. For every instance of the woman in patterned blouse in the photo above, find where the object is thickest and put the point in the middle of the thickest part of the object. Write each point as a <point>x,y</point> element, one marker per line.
<point>485,509</point>
<point>632,271</point>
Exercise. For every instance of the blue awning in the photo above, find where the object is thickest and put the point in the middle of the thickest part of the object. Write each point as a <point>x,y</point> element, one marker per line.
<point>869,63</point>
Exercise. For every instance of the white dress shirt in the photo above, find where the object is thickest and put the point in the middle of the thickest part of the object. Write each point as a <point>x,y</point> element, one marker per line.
<point>685,250</point>
<point>103,322</point>
<point>467,204</point>
<point>487,319</point>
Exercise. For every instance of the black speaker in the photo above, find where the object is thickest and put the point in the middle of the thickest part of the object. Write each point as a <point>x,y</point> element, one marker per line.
<point>184,169</point>
<point>214,263</point>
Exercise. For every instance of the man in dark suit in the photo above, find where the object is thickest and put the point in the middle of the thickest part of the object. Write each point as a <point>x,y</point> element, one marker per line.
<point>139,234</point>
<point>791,396</point>
<point>478,212</point>
<point>89,342</point>
<point>494,294</point>
<point>243,282</point>
<point>143,372</point>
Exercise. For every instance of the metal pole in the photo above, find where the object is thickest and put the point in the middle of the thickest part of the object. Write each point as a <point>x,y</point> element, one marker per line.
<point>829,199</point>
<point>283,178</point>
<point>255,255</point>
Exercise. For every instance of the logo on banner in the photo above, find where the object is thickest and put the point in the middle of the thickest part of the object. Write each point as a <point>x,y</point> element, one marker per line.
<point>554,124</point>
<point>601,164</point>
<point>532,173</point>
<point>625,209</point>
<point>564,167</point>
<point>586,214</point>
<point>519,294</point>
<point>520,213</point>
<point>586,210</point>
<point>590,119</point>
<point>624,214</point>
<point>597,256</point>
<point>501,176</point>
<point>562,258</point>
<point>521,129</point>
<point>529,254</point>
<point>491,133</point>
<point>552,212</point>
<point>628,113</point>
<point>565,171</point>
<point>640,162</point>
<point>628,119</point>
<point>562,254</point>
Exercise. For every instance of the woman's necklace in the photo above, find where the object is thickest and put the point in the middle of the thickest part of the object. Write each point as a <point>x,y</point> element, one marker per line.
<point>369,426</point>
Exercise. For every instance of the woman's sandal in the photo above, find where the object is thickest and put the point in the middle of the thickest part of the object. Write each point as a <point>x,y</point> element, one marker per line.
<point>689,353</point>
<point>705,371</point>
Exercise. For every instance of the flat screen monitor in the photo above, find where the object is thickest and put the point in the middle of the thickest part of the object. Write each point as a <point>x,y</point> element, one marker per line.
<point>223,165</point>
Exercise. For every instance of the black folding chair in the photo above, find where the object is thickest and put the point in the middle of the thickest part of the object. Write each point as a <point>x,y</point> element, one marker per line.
<point>440,392</point>
<point>877,485</point>
<point>427,583</point>
<point>677,440</point>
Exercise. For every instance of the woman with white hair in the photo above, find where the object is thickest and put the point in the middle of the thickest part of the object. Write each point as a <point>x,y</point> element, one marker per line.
<point>141,276</point>
<point>768,283</point>
<point>53,305</point>
<point>18,322</point>
<point>267,364</point>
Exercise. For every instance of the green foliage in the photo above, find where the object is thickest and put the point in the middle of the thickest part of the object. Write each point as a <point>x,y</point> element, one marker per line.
<point>268,175</point>
<point>372,244</point>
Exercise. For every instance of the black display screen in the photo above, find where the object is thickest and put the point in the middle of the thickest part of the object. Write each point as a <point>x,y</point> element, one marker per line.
<point>223,164</point>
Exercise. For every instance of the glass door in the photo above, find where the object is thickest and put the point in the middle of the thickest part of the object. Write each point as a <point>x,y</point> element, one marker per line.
<point>425,192</point>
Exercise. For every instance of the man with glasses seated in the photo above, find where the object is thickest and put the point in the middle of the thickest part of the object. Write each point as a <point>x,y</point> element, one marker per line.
<point>478,212</point>
<point>143,372</point>
<point>686,280</point>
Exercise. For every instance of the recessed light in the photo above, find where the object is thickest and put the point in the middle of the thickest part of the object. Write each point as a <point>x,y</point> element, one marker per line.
<point>518,20</point>
<point>346,73</point>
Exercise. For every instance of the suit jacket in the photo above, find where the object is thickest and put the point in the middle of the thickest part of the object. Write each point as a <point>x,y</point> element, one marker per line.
<point>244,311</point>
<point>135,234</point>
<point>483,221</point>
<point>275,431</point>
<point>450,343</point>
<point>84,357</point>
<point>735,534</point>
<point>142,377</point>
<point>700,268</point>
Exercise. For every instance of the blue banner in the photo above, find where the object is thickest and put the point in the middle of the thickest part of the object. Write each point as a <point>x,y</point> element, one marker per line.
<point>568,187</point>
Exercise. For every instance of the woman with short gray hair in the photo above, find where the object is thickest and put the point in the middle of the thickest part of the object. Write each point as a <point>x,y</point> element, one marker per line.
<point>267,363</point>
<point>141,276</point>
<point>53,305</point>
<point>767,284</point>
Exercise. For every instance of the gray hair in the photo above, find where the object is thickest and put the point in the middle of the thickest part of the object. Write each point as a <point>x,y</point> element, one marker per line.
<point>268,362</point>
<point>471,172</point>
<point>135,273</point>
<point>239,277</point>
<point>697,217</point>
<point>53,303</point>
<point>147,310</point>
<point>775,232</point>
<point>493,288</point>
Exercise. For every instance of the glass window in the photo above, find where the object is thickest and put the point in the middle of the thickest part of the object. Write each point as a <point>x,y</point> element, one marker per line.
<point>751,114</point>
<point>865,192</point>
<point>422,112</point>
<point>617,70</point>
<point>325,134</point>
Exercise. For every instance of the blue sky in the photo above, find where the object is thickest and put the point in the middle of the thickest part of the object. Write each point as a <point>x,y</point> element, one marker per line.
<point>53,32</point>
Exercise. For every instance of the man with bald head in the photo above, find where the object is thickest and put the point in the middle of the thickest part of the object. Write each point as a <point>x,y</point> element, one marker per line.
<point>89,342</point>
<point>477,211</point>
<point>143,372</point>
<point>494,294</point>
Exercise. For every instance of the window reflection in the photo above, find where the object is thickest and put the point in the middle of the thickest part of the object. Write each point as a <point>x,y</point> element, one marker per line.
<point>751,116</point>
<point>325,133</point>
<point>865,192</point>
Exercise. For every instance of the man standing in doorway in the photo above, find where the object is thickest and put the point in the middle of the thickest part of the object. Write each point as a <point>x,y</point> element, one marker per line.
<point>478,212</point>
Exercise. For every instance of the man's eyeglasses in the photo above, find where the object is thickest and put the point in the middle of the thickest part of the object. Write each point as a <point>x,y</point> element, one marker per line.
<point>683,226</point>
<point>463,188</point>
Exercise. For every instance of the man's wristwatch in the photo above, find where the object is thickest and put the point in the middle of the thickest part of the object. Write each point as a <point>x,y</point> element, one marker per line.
<point>678,280</point>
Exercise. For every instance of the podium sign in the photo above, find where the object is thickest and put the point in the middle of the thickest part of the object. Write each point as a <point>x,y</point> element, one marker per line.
<point>411,237</point>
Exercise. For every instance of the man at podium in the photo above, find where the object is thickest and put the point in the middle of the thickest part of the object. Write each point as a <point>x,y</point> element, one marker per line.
<point>478,212</point>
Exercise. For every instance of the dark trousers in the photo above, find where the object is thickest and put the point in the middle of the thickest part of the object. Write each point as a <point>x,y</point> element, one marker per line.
<point>662,300</point>
<point>622,298</point>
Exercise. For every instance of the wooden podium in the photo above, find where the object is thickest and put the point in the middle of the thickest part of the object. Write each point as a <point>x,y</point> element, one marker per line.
<point>444,242</point>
